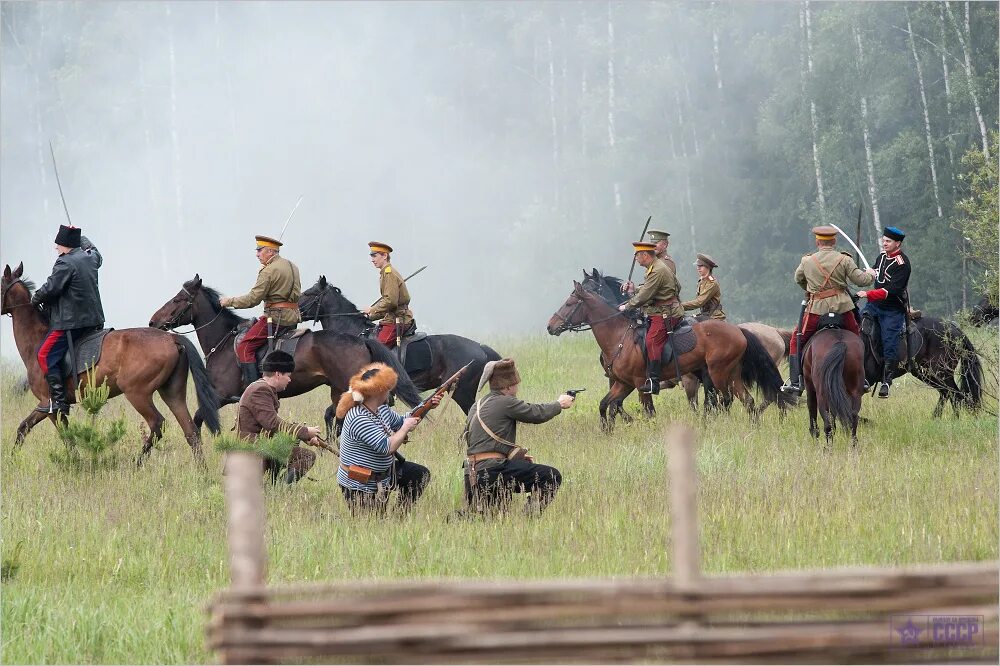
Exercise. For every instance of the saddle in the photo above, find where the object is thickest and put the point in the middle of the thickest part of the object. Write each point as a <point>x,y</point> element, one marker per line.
<point>415,352</point>
<point>679,341</point>
<point>286,339</point>
<point>911,341</point>
<point>86,353</point>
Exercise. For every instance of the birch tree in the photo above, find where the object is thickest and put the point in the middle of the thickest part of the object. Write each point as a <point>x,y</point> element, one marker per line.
<point>927,119</point>
<point>611,114</point>
<point>969,76</point>
<point>805,25</point>
<point>869,162</point>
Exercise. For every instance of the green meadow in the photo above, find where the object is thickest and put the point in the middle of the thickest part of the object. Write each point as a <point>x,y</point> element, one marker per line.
<point>118,566</point>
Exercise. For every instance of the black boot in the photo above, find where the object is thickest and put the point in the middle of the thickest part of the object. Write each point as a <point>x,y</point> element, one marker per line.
<point>250,373</point>
<point>652,385</point>
<point>794,383</point>
<point>887,372</point>
<point>58,403</point>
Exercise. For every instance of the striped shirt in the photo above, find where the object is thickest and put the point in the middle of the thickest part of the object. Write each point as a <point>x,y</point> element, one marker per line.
<point>364,441</point>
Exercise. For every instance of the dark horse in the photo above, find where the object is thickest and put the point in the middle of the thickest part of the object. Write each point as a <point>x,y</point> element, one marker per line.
<point>734,358</point>
<point>321,357</point>
<point>834,374</point>
<point>325,303</point>
<point>945,351</point>
<point>136,362</point>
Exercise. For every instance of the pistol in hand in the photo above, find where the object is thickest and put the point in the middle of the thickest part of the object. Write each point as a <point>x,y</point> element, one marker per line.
<point>572,392</point>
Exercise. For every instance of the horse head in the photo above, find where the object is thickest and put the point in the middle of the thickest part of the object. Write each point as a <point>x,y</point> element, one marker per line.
<point>573,315</point>
<point>178,311</point>
<point>10,278</point>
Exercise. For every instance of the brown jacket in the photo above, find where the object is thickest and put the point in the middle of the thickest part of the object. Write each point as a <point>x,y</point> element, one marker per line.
<point>658,294</point>
<point>671,264</point>
<point>827,271</point>
<point>277,282</point>
<point>708,300</point>
<point>258,414</point>
<point>501,414</point>
<point>393,306</point>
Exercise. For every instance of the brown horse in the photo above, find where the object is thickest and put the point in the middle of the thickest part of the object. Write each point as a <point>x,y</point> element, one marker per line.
<point>321,357</point>
<point>834,372</point>
<point>135,362</point>
<point>733,357</point>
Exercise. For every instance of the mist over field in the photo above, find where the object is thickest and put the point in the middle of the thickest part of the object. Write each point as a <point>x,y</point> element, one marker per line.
<point>504,145</point>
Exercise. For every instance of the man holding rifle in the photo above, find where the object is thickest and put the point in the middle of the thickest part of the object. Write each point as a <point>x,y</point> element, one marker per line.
<point>496,467</point>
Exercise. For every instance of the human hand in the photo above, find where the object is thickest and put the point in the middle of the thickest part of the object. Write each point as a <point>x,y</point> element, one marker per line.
<point>862,294</point>
<point>565,401</point>
<point>312,432</point>
<point>224,301</point>
<point>623,307</point>
<point>365,311</point>
<point>872,272</point>
<point>628,287</point>
<point>434,401</point>
<point>409,423</point>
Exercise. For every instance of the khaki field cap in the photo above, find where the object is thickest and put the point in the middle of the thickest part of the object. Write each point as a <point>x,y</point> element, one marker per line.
<point>825,233</point>
<point>380,247</point>
<point>706,261</point>
<point>267,241</point>
<point>657,235</point>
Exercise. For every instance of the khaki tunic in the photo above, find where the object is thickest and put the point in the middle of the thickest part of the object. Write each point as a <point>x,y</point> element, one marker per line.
<point>669,261</point>
<point>709,298</point>
<point>393,305</point>
<point>825,270</point>
<point>501,414</point>
<point>658,294</point>
<point>277,282</point>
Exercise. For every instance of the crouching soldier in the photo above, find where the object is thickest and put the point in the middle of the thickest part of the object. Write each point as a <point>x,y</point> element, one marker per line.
<point>496,467</point>
<point>370,436</point>
<point>258,417</point>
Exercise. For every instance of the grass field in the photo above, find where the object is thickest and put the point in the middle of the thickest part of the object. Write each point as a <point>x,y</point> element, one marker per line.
<point>118,566</point>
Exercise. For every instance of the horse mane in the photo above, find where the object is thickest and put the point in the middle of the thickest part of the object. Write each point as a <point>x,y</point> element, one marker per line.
<point>228,317</point>
<point>43,313</point>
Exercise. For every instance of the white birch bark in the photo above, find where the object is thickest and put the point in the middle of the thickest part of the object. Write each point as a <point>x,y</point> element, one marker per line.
<point>715,52</point>
<point>805,23</point>
<point>947,95</point>
<point>174,137</point>
<point>611,113</point>
<point>869,162</point>
<point>969,76</point>
<point>927,119</point>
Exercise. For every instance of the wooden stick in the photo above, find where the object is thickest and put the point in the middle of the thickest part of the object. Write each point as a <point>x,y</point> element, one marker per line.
<point>683,506</point>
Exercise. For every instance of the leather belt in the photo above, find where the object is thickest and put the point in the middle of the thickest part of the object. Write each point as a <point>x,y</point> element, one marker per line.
<point>488,455</point>
<point>826,293</point>
<point>283,304</point>
<point>374,478</point>
<point>669,301</point>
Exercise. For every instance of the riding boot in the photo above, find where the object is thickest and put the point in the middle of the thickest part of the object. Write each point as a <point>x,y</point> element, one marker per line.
<point>652,385</point>
<point>887,372</point>
<point>794,383</point>
<point>57,395</point>
<point>250,373</point>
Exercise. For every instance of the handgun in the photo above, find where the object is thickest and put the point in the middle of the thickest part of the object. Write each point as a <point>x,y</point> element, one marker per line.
<point>572,392</point>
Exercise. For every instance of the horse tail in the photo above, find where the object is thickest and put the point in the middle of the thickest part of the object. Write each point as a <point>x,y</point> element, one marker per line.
<point>972,375</point>
<point>405,388</point>
<point>759,371</point>
<point>491,354</point>
<point>208,399</point>
<point>838,401</point>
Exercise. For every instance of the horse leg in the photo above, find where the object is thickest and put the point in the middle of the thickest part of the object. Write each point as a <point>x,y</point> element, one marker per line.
<point>613,403</point>
<point>144,405</point>
<point>740,390</point>
<point>175,401</point>
<point>811,401</point>
<point>691,384</point>
<point>646,400</point>
<point>29,422</point>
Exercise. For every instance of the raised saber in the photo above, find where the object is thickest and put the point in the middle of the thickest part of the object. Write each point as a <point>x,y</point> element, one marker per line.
<point>59,183</point>
<point>294,208</point>
<point>419,270</point>
<point>852,244</point>
<point>632,270</point>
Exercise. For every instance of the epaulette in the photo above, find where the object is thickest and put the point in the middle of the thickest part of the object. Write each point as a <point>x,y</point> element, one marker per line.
<point>711,278</point>
<point>846,253</point>
<point>388,269</point>
<point>900,260</point>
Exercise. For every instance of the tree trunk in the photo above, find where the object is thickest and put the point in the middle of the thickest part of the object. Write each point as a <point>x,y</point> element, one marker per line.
<point>805,24</point>
<point>927,119</point>
<point>869,162</point>
<point>611,113</point>
<point>174,138</point>
<point>969,76</point>
<point>947,93</point>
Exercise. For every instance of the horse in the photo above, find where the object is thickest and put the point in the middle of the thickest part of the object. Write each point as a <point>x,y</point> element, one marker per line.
<point>984,313</point>
<point>945,351</point>
<point>321,357</point>
<point>135,362</point>
<point>733,357</point>
<point>774,340</point>
<point>833,369</point>
<point>326,303</point>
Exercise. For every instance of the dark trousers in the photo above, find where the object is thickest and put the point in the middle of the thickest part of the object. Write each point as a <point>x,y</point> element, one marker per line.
<point>496,484</point>
<point>300,461</point>
<point>55,345</point>
<point>892,323</point>
<point>411,480</point>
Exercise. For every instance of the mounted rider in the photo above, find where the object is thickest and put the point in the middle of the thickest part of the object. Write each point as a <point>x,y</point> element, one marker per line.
<point>709,298</point>
<point>824,275</point>
<point>75,309</point>
<point>658,299</point>
<point>662,240</point>
<point>887,300</point>
<point>278,287</point>
<point>392,309</point>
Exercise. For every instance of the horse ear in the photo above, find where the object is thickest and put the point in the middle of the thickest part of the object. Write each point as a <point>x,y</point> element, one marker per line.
<point>19,270</point>
<point>337,289</point>
<point>595,273</point>
<point>322,281</point>
<point>577,287</point>
<point>197,280</point>
<point>6,272</point>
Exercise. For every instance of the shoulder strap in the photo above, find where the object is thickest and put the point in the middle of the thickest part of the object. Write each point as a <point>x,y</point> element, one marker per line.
<point>827,276</point>
<point>486,428</point>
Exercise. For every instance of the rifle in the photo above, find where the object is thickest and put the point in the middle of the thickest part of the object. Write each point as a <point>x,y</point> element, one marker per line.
<point>572,392</point>
<point>425,405</point>
<point>323,444</point>
<point>632,270</point>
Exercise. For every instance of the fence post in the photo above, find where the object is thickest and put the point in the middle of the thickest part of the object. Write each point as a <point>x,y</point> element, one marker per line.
<point>683,505</point>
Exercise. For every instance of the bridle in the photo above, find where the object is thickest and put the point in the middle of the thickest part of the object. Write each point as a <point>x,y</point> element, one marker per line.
<point>567,324</point>
<point>3,295</point>
<point>172,323</point>
<point>315,318</point>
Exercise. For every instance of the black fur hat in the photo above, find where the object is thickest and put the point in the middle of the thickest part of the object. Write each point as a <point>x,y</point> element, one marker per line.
<point>278,361</point>
<point>68,236</point>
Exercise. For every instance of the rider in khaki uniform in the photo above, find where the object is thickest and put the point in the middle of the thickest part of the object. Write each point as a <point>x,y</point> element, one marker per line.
<point>709,298</point>
<point>393,306</point>
<point>824,275</point>
<point>278,287</point>
<point>662,240</point>
<point>658,299</point>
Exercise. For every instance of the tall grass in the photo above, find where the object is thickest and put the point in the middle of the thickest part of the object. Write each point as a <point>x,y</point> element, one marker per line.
<point>117,567</point>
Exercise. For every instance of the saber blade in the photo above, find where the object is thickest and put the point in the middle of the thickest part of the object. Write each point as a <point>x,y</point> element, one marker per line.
<point>856,248</point>
<point>59,183</point>
<point>294,208</point>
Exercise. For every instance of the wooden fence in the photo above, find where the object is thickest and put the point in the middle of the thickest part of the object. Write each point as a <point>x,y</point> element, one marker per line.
<point>911,614</point>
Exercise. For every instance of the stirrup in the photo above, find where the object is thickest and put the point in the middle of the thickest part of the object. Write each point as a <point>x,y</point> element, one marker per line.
<point>792,388</point>
<point>883,390</point>
<point>650,387</point>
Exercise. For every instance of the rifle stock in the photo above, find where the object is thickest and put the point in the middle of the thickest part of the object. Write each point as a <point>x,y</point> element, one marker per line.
<point>425,405</point>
